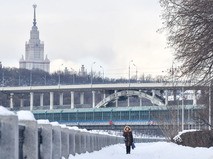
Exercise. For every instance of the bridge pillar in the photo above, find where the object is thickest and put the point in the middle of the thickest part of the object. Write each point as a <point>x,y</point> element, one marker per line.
<point>22,102</point>
<point>82,98</point>
<point>166,97</point>
<point>72,99</point>
<point>140,99</point>
<point>11,100</point>
<point>153,93</point>
<point>42,99</point>
<point>61,99</point>
<point>128,100</point>
<point>51,100</point>
<point>104,95</point>
<point>31,100</point>
<point>93,99</point>
<point>175,96</point>
<point>195,97</point>
<point>116,98</point>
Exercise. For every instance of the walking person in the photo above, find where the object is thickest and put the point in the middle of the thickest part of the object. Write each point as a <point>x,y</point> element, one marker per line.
<point>127,133</point>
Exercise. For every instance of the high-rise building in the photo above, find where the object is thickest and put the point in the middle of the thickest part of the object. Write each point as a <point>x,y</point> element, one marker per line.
<point>34,51</point>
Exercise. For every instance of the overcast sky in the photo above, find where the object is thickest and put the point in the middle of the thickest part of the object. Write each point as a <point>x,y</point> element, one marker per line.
<point>80,32</point>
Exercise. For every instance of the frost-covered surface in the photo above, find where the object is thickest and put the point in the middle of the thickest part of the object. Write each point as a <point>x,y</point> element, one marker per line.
<point>43,121</point>
<point>177,138</point>
<point>4,111</point>
<point>157,150</point>
<point>25,115</point>
<point>55,124</point>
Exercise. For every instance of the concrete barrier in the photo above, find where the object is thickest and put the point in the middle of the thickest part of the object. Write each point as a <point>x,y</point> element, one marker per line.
<point>65,142</point>
<point>56,142</point>
<point>30,146</point>
<point>72,141</point>
<point>9,137</point>
<point>46,145</point>
<point>31,139</point>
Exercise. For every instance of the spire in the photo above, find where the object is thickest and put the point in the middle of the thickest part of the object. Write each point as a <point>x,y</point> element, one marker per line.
<point>34,20</point>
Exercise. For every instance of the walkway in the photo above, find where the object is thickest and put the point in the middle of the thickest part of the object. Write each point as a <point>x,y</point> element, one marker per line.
<point>159,150</point>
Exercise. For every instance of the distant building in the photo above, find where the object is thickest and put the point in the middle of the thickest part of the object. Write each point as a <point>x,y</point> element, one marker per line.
<point>34,51</point>
<point>82,71</point>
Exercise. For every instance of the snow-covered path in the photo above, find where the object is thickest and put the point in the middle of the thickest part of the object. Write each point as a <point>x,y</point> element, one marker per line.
<point>158,150</point>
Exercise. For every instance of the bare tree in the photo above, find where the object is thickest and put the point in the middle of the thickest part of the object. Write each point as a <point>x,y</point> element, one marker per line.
<point>189,24</point>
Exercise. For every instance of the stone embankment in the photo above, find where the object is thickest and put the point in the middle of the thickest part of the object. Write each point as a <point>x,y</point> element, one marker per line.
<point>23,137</point>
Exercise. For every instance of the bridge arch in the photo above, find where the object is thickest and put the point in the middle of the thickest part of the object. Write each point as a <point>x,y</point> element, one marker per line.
<point>154,99</point>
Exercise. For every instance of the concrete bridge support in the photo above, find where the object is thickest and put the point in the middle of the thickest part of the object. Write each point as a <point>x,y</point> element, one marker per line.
<point>82,98</point>
<point>31,100</point>
<point>116,99</point>
<point>21,102</point>
<point>195,97</point>
<point>61,99</point>
<point>93,99</point>
<point>72,99</point>
<point>42,99</point>
<point>9,137</point>
<point>51,100</point>
<point>166,97</point>
<point>11,100</point>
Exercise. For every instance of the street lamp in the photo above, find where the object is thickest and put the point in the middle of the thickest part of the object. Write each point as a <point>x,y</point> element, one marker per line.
<point>136,73</point>
<point>59,74</point>
<point>92,72</point>
<point>129,70</point>
<point>73,75</point>
<point>31,76</point>
<point>103,72</point>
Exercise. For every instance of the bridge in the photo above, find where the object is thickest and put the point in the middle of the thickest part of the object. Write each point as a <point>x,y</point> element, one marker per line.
<point>144,106</point>
<point>100,95</point>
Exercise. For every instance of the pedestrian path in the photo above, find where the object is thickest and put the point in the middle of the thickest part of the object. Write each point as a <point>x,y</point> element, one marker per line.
<point>158,150</point>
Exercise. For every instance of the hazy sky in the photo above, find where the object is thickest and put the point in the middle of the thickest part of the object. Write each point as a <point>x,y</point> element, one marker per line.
<point>80,32</point>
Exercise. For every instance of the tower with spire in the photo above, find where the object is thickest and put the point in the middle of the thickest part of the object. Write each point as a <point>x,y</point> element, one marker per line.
<point>34,50</point>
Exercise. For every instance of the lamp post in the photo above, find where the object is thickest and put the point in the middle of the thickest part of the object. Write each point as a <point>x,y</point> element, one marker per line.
<point>129,70</point>
<point>59,74</point>
<point>2,77</point>
<point>103,72</point>
<point>136,73</point>
<point>73,75</point>
<point>92,73</point>
<point>31,77</point>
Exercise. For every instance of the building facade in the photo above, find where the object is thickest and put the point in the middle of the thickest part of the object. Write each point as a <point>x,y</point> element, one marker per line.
<point>34,51</point>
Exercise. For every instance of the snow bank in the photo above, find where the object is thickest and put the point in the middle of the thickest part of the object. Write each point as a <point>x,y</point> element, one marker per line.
<point>177,138</point>
<point>25,115</point>
<point>5,111</point>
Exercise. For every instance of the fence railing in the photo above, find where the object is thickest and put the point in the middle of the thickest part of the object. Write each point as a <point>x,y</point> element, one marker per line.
<point>31,139</point>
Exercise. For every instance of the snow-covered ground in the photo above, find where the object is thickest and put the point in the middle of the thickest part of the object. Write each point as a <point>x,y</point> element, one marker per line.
<point>157,150</point>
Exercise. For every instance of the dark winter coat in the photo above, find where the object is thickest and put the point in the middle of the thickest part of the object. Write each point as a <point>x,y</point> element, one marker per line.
<point>128,138</point>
